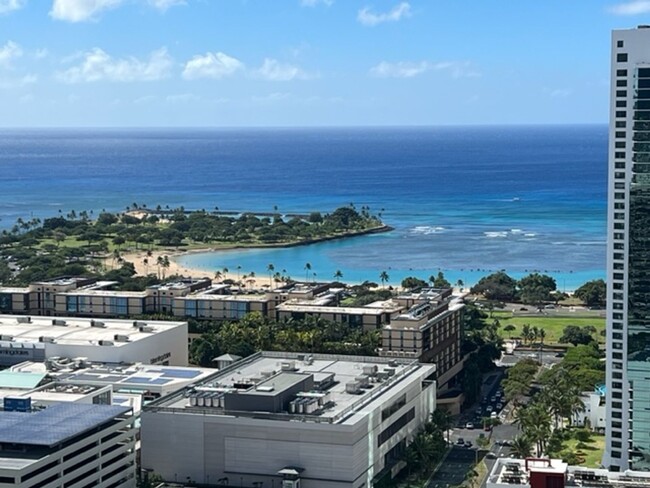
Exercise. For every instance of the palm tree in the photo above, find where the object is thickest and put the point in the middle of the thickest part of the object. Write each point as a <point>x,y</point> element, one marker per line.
<point>159,263</point>
<point>521,447</point>
<point>145,261</point>
<point>460,284</point>
<point>338,275</point>
<point>238,270</point>
<point>165,265</point>
<point>307,270</point>
<point>270,268</point>
<point>383,276</point>
<point>218,275</point>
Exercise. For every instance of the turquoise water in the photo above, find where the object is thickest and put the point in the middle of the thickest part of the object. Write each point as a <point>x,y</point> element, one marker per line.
<point>460,199</point>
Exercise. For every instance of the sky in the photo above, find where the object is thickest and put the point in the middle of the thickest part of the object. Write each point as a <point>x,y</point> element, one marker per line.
<point>233,63</point>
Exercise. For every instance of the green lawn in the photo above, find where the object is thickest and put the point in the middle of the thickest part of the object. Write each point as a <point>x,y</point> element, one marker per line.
<point>592,454</point>
<point>552,324</point>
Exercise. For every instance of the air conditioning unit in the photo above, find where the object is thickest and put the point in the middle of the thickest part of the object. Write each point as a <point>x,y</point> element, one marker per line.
<point>139,323</point>
<point>145,328</point>
<point>390,371</point>
<point>370,370</point>
<point>363,380</point>
<point>46,339</point>
<point>59,322</point>
<point>97,323</point>
<point>288,366</point>
<point>6,338</point>
<point>24,320</point>
<point>104,342</point>
<point>121,338</point>
<point>353,388</point>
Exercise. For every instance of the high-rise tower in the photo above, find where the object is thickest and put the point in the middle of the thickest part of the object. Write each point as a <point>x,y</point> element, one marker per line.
<point>628,253</point>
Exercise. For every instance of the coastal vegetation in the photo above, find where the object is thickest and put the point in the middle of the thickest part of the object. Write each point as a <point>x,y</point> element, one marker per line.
<point>78,244</point>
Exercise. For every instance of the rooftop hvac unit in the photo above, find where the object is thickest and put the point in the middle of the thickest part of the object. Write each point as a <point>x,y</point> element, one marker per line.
<point>59,322</point>
<point>139,323</point>
<point>382,375</point>
<point>121,338</point>
<point>104,342</point>
<point>46,339</point>
<point>390,371</point>
<point>301,357</point>
<point>288,366</point>
<point>310,360</point>
<point>392,363</point>
<point>370,370</point>
<point>353,387</point>
<point>6,338</point>
<point>267,374</point>
<point>363,380</point>
<point>145,328</point>
<point>24,320</point>
<point>97,323</point>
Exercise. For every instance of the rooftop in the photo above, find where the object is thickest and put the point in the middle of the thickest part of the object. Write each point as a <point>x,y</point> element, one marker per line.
<point>134,377</point>
<point>17,330</point>
<point>290,306</point>
<point>20,380</point>
<point>54,424</point>
<point>341,385</point>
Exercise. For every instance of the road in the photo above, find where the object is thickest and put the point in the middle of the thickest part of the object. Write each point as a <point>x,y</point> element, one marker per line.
<point>453,469</point>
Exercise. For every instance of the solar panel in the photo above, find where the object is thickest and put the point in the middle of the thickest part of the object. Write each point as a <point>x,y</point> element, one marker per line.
<point>139,380</point>
<point>54,424</point>
<point>181,373</point>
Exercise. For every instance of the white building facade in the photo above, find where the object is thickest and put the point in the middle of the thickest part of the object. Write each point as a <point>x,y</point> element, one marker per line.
<point>284,419</point>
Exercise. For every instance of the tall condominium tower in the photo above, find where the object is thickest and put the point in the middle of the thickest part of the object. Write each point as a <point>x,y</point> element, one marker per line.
<point>628,254</point>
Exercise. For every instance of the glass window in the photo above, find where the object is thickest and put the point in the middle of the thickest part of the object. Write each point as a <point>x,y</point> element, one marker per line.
<point>621,83</point>
<point>622,58</point>
<point>644,72</point>
<point>621,93</point>
<point>621,72</point>
<point>621,113</point>
<point>619,44</point>
<point>620,134</point>
<point>619,165</point>
<point>621,103</point>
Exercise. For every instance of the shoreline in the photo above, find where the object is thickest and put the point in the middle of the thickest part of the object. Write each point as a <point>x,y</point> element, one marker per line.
<point>259,280</point>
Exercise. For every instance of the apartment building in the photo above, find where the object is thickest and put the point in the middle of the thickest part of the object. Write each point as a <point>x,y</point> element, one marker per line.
<point>291,420</point>
<point>628,253</point>
<point>430,331</point>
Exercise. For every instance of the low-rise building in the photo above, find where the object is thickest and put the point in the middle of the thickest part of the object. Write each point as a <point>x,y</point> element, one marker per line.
<point>67,444</point>
<point>554,473</point>
<point>430,331</point>
<point>594,412</point>
<point>37,338</point>
<point>288,419</point>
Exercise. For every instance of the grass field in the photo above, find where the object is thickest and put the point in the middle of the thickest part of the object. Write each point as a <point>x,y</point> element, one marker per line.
<point>592,454</point>
<point>552,324</point>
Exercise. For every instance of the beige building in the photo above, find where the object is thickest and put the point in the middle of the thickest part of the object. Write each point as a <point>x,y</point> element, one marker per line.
<point>431,331</point>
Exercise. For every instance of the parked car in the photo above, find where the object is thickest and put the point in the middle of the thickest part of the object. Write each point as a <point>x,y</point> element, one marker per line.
<point>491,455</point>
<point>488,409</point>
<point>460,441</point>
<point>469,425</point>
<point>468,444</point>
<point>499,406</point>
<point>493,415</point>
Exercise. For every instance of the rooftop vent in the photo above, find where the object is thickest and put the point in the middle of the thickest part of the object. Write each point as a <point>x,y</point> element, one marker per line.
<point>139,323</point>
<point>353,388</point>
<point>97,323</point>
<point>145,328</point>
<point>6,338</point>
<point>46,339</point>
<point>288,366</point>
<point>24,320</point>
<point>370,370</point>
<point>59,322</point>
<point>121,338</point>
<point>104,342</point>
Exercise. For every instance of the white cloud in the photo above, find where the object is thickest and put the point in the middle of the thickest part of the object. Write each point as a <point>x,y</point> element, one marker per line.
<point>558,92</point>
<point>97,65</point>
<point>634,7</point>
<point>405,69</point>
<point>81,10</point>
<point>367,17</point>
<point>211,65</point>
<point>315,3</point>
<point>164,5</point>
<point>18,82</point>
<point>8,53</point>
<point>89,10</point>
<point>273,70</point>
<point>7,6</point>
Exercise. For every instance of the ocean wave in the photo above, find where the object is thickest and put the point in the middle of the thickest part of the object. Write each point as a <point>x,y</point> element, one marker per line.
<point>427,229</point>
<point>530,234</point>
<point>493,234</point>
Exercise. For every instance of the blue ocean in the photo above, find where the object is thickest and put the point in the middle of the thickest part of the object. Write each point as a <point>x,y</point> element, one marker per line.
<point>462,200</point>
